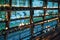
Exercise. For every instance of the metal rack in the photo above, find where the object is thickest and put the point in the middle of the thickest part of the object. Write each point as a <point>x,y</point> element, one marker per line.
<point>32,24</point>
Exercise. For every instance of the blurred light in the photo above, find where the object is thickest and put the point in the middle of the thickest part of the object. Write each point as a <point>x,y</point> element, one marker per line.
<point>26,23</point>
<point>22,24</point>
<point>6,28</point>
<point>44,7</point>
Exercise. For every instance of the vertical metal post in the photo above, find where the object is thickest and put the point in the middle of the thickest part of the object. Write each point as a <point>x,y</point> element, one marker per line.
<point>31,19</point>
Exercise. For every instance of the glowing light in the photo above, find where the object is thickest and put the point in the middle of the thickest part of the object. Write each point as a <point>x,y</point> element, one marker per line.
<point>26,23</point>
<point>44,7</point>
<point>32,22</point>
<point>46,14</point>
<point>48,29</point>
<point>22,24</point>
<point>46,26</point>
<point>6,28</point>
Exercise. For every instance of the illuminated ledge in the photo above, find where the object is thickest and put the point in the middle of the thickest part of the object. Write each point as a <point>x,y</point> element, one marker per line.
<point>46,21</point>
<point>52,19</point>
<point>27,25</point>
<point>55,7</point>
<point>5,5</point>
<point>19,6</point>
